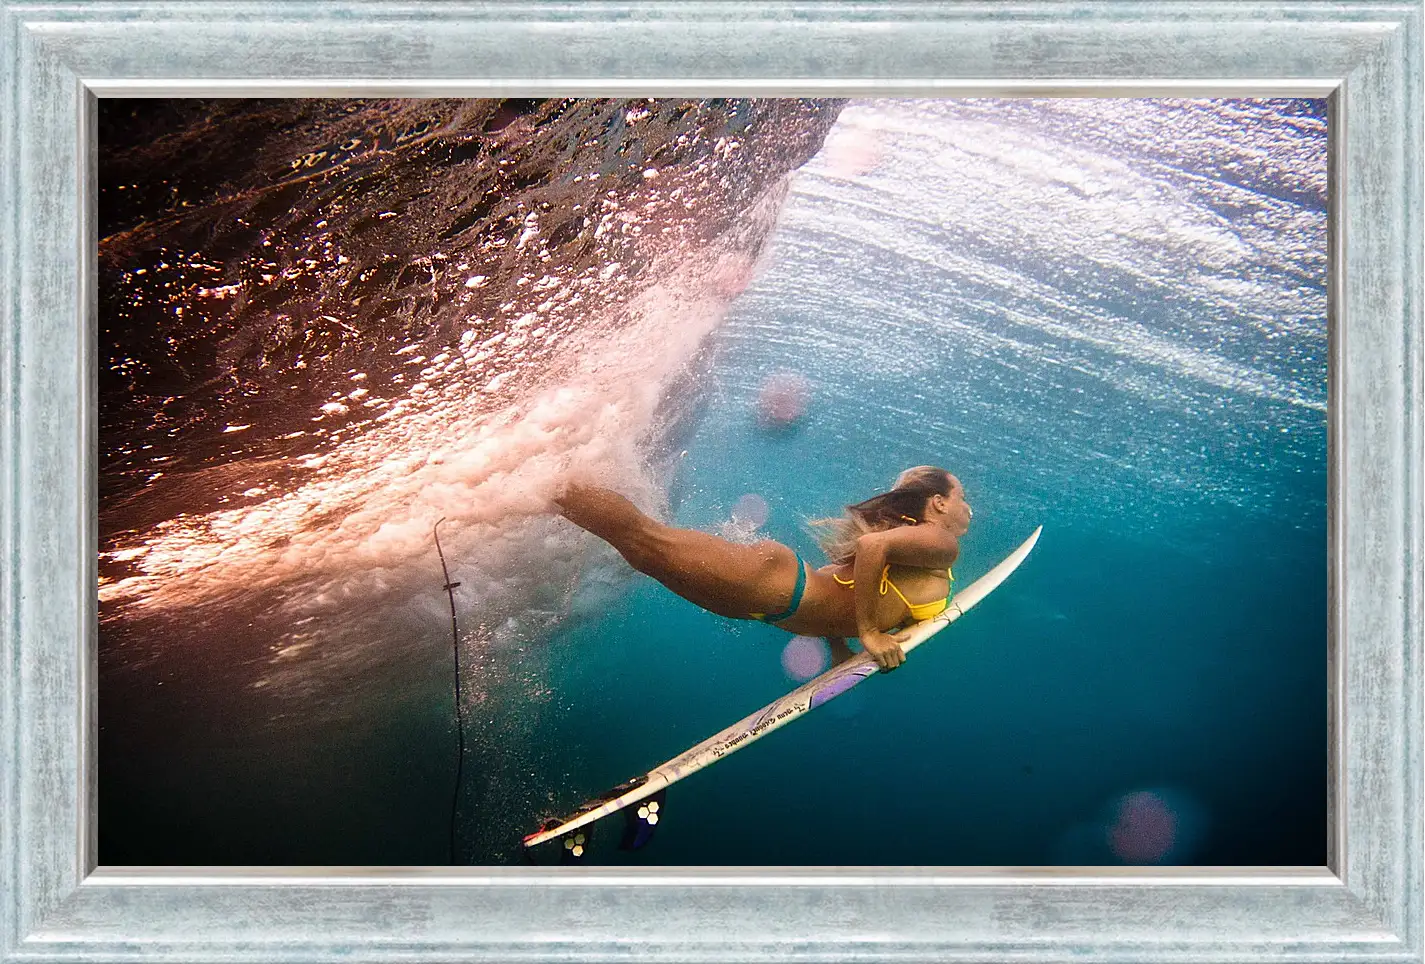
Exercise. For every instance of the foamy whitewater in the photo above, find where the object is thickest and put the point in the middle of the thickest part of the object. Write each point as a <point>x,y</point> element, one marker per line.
<point>392,314</point>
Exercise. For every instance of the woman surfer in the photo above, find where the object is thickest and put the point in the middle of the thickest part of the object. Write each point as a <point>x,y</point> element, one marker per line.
<point>890,562</point>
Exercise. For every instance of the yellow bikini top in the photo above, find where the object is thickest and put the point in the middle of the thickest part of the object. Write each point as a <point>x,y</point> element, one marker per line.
<point>918,611</point>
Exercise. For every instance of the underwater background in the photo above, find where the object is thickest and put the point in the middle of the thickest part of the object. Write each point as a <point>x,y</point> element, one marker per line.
<point>326,326</point>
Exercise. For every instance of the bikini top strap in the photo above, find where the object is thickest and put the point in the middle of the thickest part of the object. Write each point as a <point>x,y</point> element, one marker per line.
<point>886,582</point>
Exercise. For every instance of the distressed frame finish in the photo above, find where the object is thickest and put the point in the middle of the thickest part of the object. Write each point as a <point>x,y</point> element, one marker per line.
<point>57,58</point>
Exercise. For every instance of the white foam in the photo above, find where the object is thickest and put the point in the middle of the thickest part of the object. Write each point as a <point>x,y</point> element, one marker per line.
<point>353,544</point>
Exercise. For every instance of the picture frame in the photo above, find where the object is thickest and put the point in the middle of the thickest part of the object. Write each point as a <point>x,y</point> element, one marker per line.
<point>1365,905</point>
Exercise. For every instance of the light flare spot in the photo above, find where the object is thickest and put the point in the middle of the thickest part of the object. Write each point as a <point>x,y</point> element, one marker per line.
<point>127,555</point>
<point>751,509</point>
<point>782,400</point>
<point>851,153</point>
<point>805,657</point>
<point>1144,830</point>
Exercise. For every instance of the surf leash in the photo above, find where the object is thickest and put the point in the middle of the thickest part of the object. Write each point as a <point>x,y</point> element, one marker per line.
<point>449,588</point>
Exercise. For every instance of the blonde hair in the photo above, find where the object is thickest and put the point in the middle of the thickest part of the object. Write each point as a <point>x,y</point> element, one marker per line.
<point>904,504</point>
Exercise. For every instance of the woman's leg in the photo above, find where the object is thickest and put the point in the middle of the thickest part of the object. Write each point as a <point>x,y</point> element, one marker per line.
<point>840,652</point>
<point>720,576</point>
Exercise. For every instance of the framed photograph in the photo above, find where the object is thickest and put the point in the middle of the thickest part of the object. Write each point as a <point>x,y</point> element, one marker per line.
<point>368,367</point>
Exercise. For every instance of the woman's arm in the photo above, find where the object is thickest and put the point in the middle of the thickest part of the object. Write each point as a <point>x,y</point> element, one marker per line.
<point>926,546</point>
<point>930,547</point>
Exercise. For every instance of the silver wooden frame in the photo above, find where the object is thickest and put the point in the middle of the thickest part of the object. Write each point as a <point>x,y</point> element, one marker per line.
<point>58,57</point>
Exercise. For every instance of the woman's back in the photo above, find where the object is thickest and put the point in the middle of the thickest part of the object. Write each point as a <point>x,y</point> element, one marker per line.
<point>829,605</point>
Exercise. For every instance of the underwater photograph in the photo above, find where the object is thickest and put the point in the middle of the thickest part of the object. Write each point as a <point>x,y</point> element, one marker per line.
<point>476,476</point>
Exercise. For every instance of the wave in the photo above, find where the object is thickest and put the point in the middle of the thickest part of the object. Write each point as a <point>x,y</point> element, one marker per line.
<point>335,323</point>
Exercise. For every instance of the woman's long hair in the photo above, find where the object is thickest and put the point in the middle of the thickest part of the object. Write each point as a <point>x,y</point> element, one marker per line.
<point>903,505</point>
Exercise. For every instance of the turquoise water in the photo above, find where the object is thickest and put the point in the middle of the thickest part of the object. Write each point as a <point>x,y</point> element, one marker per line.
<point>1167,634</point>
<point>1119,658</point>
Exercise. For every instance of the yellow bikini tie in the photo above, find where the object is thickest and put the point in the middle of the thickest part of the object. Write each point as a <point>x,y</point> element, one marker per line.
<point>913,607</point>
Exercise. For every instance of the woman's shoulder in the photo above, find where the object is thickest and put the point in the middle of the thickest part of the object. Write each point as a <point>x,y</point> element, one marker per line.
<point>922,546</point>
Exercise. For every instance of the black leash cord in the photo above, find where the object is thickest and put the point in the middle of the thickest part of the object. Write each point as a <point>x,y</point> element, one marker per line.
<point>459,700</point>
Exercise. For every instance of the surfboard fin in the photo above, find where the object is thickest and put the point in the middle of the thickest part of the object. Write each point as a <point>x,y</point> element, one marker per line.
<point>574,845</point>
<point>640,821</point>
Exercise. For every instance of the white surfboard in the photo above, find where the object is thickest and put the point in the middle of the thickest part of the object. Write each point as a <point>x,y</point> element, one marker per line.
<point>799,701</point>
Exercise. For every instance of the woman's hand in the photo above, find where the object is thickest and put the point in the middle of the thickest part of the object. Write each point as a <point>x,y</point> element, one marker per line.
<point>885,647</point>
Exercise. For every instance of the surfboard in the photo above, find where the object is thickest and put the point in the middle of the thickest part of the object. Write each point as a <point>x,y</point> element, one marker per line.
<point>800,701</point>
